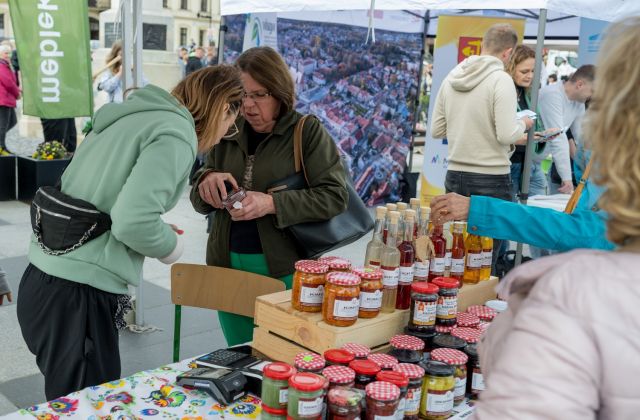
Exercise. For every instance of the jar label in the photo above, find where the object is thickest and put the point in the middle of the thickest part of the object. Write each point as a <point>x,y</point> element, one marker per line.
<point>474,260</point>
<point>477,382</point>
<point>447,306</point>
<point>447,259</point>
<point>437,265</point>
<point>406,275</point>
<point>310,407</point>
<point>421,269</point>
<point>487,258</point>
<point>283,398</point>
<point>391,417</point>
<point>401,407</point>
<point>461,387</point>
<point>457,266</point>
<point>371,300</point>
<point>390,277</point>
<point>311,295</point>
<point>439,401</point>
<point>424,313</point>
<point>346,308</point>
<point>412,404</point>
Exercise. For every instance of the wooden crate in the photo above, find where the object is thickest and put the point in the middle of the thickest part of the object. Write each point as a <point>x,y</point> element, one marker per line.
<point>283,332</point>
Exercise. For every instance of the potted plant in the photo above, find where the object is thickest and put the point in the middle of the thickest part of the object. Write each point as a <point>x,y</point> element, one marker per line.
<point>7,175</point>
<point>43,168</point>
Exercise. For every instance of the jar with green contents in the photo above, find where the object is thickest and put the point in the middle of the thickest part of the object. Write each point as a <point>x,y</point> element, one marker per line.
<point>269,413</point>
<point>343,404</point>
<point>306,396</point>
<point>458,360</point>
<point>275,385</point>
<point>437,391</point>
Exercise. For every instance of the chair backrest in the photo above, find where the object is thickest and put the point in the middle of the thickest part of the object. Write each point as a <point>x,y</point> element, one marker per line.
<point>219,288</point>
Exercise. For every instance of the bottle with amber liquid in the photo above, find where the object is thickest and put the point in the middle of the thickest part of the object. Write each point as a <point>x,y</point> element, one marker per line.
<point>407,260</point>
<point>436,267</point>
<point>421,268</point>
<point>390,207</point>
<point>473,265</point>
<point>446,232</point>
<point>457,253</point>
<point>374,247</point>
<point>487,258</point>
<point>390,265</point>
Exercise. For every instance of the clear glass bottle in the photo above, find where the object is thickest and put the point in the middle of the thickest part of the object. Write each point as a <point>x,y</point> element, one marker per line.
<point>458,253</point>
<point>407,260</point>
<point>436,267</point>
<point>446,232</point>
<point>390,207</point>
<point>487,258</point>
<point>374,247</point>
<point>421,268</point>
<point>390,265</point>
<point>414,204</point>
<point>473,246</point>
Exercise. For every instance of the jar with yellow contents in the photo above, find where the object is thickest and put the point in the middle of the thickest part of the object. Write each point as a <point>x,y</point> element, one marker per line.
<point>341,299</point>
<point>437,391</point>
<point>308,286</point>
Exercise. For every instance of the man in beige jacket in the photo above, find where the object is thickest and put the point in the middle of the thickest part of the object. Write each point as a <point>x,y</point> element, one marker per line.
<point>476,112</point>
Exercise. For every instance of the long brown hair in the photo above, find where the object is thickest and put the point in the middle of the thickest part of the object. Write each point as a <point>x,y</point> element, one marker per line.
<point>205,93</point>
<point>116,50</point>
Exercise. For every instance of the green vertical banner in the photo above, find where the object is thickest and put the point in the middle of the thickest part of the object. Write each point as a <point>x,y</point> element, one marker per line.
<point>52,39</point>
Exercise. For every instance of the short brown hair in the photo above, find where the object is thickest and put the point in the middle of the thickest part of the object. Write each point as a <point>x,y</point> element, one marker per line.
<point>205,93</point>
<point>498,38</point>
<point>586,73</point>
<point>267,67</point>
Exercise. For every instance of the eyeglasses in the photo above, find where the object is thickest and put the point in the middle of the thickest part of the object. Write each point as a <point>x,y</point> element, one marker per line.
<point>233,131</point>
<point>259,96</point>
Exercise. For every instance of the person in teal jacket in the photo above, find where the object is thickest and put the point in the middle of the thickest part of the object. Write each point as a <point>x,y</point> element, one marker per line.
<point>134,165</point>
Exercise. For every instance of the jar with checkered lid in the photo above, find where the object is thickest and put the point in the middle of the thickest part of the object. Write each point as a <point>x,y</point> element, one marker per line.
<point>470,335</point>
<point>406,349</point>
<point>309,362</point>
<point>415,374</point>
<point>370,291</point>
<point>466,319</point>
<point>341,299</point>
<point>309,281</point>
<point>385,361</point>
<point>400,380</point>
<point>483,312</point>
<point>339,376</point>
<point>337,264</point>
<point>458,360</point>
<point>382,400</point>
<point>359,351</point>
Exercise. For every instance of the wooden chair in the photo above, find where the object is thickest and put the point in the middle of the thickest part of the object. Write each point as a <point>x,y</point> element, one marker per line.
<point>217,288</point>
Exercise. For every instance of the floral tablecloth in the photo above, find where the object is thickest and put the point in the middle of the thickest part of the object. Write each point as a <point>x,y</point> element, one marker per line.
<point>148,394</point>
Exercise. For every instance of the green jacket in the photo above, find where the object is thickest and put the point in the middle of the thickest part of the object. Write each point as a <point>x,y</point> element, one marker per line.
<point>134,165</point>
<point>274,161</point>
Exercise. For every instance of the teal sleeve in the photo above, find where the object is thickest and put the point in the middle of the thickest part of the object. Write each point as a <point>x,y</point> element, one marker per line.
<point>544,228</point>
<point>161,170</point>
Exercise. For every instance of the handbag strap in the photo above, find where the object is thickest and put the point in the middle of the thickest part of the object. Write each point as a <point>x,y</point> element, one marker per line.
<point>297,147</point>
<point>575,197</point>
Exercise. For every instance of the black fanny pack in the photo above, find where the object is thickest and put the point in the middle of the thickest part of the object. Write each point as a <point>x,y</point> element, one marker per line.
<point>62,223</point>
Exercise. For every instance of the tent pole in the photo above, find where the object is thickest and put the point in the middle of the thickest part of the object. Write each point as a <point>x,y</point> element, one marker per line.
<point>416,107</point>
<point>221,33</point>
<point>137,44</point>
<point>127,43</point>
<point>526,173</point>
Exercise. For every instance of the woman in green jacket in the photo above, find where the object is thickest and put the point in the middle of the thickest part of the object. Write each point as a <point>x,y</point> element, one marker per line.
<point>254,238</point>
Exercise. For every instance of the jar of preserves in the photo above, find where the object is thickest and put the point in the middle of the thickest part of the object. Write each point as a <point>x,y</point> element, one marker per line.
<point>339,376</point>
<point>469,335</point>
<point>308,286</point>
<point>338,264</point>
<point>426,336</point>
<point>437,391</point>
<point>424,302</point>
<point>366,372</point>
<point>449,342</point>
<point>465,319</point>
<point>400,380</point>
<point>309,362</point>
<point>447,308</point>
<point>406,349</point>
<point>475,380</point>
<point>306,396</point>
<point>341,299</point>
<point>458,360</point>
<point>269,413</point>
<point>415,374</point>
<point>275,385</point>
<point>485,313</point>
<point>385,361</point>
<point>338,357</point>
<point>359,351</point>
<point>344,404</point>
<point>382,400</point>
<point>370,291</point>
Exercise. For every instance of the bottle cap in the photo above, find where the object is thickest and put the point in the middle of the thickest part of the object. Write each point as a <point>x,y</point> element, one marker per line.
<point>381,212</point>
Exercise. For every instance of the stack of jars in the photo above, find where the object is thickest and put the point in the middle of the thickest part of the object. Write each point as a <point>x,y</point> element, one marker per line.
<point>275,390</point>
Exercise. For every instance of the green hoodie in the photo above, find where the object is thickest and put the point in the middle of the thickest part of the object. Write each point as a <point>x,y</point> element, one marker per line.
<point>134,165</point>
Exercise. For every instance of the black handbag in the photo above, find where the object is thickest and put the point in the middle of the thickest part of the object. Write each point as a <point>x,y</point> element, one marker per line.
<point>317,238</point>
<point>62,223</point>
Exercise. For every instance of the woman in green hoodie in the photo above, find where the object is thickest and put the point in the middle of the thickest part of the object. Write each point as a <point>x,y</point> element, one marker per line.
<point>133,165</point>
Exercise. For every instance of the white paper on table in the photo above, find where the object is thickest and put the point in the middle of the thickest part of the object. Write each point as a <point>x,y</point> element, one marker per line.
<point>526,113</point>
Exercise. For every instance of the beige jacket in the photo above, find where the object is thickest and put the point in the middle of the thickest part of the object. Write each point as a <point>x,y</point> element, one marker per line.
<point>569,345</point>
<point>475,111</point>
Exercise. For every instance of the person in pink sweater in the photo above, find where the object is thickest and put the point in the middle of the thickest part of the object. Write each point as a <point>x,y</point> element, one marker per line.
<point>9,93</point>
<point>567,347</point>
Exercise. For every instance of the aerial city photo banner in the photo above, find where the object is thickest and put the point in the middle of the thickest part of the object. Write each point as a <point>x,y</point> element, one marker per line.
<point>363,92</point>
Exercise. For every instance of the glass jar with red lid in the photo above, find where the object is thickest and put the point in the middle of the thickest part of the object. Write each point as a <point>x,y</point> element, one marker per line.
<point>338,375</point>
<point>424,302</point>
<point>309,281</point>
<point>269,413</point>
<point>370,291</point>
<point>400,380</point>
<point>447,308</point>
<point>470,335</point>
<point>306,396</point>
<point>343,404</point>
<point>385,361</point>
<point>366,372</point>
<point>359,351</point>
<point>309,362</point>
<point>382,400</point>
<point>415,374</point>
<point>341,302</point>
<point>338,357</point>
<point>275,384</point>
<point>458,360</point>
<point>406,349</point>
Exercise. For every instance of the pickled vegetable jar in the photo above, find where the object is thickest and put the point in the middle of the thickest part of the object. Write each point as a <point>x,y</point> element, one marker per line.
<point>437,391</point>
<point>458,360</point>
<point>341,299</point>
<point>275,384</point>
<point>308,286</point>
<point>306,396</point>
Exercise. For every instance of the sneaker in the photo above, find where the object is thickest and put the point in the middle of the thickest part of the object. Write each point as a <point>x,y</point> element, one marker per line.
<point>4,152</point>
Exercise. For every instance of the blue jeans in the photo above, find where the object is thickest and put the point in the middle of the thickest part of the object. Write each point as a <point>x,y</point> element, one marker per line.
<point>537,181</point>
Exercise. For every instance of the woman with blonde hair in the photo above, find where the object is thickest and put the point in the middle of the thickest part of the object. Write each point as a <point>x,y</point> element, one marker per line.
<point>111,79</point>
<point>567,348</point>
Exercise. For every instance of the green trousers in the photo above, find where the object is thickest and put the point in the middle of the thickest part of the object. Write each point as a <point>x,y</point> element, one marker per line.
<point>238,329</point>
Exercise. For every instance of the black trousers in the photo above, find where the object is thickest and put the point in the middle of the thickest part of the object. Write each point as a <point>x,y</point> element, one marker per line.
<point>7,121</point>
<point>69,327</point>
<point>62,130</point>
<point>469,183</point>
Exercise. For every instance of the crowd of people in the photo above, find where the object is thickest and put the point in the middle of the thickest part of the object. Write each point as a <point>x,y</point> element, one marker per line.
<point>136,161</point>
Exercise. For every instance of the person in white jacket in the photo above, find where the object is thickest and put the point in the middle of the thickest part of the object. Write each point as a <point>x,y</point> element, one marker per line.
<point>567,347</point>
